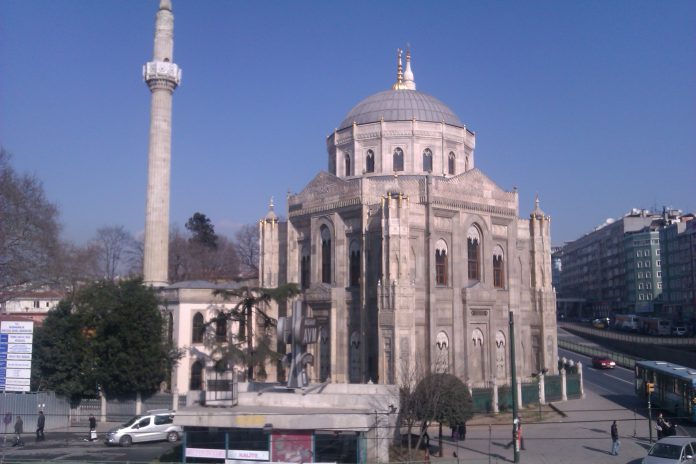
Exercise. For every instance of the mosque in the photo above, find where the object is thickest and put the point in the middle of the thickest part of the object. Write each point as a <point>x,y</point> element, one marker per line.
<point>408,255</point>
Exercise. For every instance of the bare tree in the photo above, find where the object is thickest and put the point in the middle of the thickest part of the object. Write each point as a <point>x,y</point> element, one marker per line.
<point>28,229</point>
<point>77,265</point>
<point>113,243</point>
<point>246,242</point>
<point>191,259</point>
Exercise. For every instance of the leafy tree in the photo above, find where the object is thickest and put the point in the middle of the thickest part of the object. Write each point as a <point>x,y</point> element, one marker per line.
<point>28,229</point>
<point>253,350</point>
<point>110,335</point>
<point>203,231</point>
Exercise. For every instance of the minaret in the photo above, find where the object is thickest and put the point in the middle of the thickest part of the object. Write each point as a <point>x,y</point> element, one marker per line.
<point>162,76</point>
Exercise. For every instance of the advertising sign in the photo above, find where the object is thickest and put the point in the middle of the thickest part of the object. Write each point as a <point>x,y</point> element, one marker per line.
<point>16,338</point>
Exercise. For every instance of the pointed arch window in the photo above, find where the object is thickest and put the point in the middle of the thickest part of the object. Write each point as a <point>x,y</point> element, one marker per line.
<point>398,160</point>
<point>196,382</point>
<point>441,263</point>
<point>354,264</point>
<point>325,254</point>
<point>498,268</point>
<point>349,171</point>
<point>451,161</point>
<point>221,329</point>
<point>304,267</point>
<point>198,329</point>
<point>370,161</point>
<point>473,242</point>
<point>427,160</point>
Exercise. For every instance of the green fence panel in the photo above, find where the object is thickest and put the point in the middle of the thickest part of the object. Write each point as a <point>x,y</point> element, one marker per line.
<point>573,385</point>
<point>482,399</point>
<point>530,393</point>
<point>552,388</point>
<point>504,398</point>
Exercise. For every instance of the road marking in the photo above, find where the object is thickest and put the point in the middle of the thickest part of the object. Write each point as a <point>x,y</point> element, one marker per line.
<point>620,379</point>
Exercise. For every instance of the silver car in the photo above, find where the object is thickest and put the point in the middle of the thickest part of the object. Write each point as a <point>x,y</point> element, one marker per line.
<point>672,449</point>
<point>154,425</point>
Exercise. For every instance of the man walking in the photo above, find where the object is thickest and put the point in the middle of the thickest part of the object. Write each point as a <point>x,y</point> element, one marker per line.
<point>18,429</point>
<point>614,439</point>
<point>40,423</point>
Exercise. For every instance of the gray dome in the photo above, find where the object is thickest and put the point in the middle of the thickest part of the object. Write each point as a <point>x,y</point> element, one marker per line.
<point>400,105</point>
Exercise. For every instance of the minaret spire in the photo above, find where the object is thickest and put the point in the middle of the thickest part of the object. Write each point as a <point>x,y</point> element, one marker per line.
<point>399,84</point>
<point>409,83</point>
<point>162,77</point>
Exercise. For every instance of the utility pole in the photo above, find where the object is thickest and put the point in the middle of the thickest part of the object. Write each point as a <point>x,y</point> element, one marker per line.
<point>513,375</point>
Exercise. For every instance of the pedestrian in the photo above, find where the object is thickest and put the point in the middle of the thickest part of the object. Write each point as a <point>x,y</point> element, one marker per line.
<point>92,428</point>
<point>615,439</point>
<point>661,426</point>
<point>40,423</point>
<point>19,430</point>
<point>462,431</point>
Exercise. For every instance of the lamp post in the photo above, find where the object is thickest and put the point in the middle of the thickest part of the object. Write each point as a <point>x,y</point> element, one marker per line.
<point>513,375</point>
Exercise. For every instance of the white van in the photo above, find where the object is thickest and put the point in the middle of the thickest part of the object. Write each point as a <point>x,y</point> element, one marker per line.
<point>154,425</point>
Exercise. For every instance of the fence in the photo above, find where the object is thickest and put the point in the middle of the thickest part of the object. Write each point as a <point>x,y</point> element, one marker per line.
<point>620,358</point>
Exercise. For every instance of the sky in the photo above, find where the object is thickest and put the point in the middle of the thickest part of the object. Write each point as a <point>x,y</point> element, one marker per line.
<point>591,105</point>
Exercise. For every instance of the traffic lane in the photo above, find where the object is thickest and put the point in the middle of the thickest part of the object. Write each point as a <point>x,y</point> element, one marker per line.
<point>615,384</point>
<point>73,446</point>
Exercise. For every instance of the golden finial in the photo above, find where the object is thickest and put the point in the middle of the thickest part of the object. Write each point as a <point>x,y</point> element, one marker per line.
<point>399,84</point>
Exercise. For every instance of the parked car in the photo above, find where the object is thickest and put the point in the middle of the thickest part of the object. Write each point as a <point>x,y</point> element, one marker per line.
<point>673,449</point>
<point>603,362</point>
<point>601,323</point>
<point>679,331</point>
<point>154,425</point>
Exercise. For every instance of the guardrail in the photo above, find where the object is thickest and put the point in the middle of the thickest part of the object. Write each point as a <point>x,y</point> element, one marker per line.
<point>621,359</point>
<point>627,337</point>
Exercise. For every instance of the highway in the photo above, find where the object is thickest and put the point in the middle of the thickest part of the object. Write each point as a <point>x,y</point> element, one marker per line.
<point>616,385</point>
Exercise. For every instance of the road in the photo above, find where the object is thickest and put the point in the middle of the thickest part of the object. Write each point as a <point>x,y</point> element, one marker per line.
<point>615,384</point>
<point>72,446</point>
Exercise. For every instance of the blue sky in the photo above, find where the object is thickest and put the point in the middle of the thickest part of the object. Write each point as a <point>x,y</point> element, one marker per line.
<point>591,104</point>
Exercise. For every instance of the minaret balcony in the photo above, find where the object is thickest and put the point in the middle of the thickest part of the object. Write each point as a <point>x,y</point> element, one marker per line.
<point>162,70</point>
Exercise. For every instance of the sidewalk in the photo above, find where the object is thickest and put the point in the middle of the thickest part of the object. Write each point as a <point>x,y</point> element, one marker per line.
<point>581,436</point>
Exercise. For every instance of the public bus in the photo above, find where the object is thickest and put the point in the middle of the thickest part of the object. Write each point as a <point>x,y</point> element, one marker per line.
<point>673,387</point>
<point>627,322</point>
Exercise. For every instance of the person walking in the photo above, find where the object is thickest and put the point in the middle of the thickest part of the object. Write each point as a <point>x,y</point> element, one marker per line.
<point>615,439</point>
<point>19,430</point>
<point>40,423</point>
<point>92,428</point>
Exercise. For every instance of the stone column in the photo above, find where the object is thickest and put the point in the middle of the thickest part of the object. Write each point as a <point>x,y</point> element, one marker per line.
<point>564,389</point>
<point>519,393</point>
<point>542,389</point>
<point>494,388</point>
<point>582,389</point>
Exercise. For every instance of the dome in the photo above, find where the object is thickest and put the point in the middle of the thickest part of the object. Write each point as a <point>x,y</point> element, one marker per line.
<point>400,105</point>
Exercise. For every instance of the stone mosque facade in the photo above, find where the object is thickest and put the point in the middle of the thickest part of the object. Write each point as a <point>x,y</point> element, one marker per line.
<point>408,255</point>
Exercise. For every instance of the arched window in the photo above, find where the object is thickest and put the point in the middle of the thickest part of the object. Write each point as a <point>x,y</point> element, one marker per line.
<point>466,163</point>
<point>349,171</point>
<point>354,264</point>
<point>370,161</point>
<point>398,161</point>
<point>427,160</point>
<point>473,242</point>
<point>441,263</point>
<point>498,268</point>
<point>325,254</point>
<point>196,382</point>
<point>451,161</point>
<point>221,329</point>
<point>198,329</point>
<point>304,268</point>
